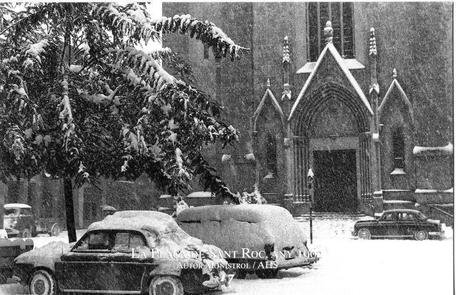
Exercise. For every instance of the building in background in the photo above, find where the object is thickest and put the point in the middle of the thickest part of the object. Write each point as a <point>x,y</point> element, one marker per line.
<point>364,102</point>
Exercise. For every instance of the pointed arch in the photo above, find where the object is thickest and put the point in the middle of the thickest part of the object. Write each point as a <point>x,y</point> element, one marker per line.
<point>268,97</point>
<point>396,91</point>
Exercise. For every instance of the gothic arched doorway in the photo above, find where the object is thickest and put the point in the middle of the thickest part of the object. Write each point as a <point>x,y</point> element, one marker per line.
<point>330,138</point>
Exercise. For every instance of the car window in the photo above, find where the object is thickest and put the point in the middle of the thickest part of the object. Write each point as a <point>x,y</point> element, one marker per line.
<point>121,242</point>
<point>136,241</point>
<point>406,216</point>
<point>389,217</point>
<point>11,212</point>
<point>26,211</point>
<point>126,241</point>
<point>421,216</point>
<point>100,241</point>
<point>95,241</point>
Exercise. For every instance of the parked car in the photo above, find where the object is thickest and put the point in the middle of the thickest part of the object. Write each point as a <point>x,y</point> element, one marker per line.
<point>9,250</point>
<point>256,238</point>
<point>18,220</point>
<point>128,252</point>
<point>399,223</point>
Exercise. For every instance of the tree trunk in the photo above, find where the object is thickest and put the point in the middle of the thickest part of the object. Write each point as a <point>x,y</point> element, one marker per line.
<point>69,212</point>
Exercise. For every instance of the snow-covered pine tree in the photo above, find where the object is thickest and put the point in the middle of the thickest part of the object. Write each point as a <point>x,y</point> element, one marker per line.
<point>81,100</point>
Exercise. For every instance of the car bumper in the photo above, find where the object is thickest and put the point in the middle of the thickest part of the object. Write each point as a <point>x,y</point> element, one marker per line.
<point>436,234</point>
<point>11,232</point>
<point>297,262</point>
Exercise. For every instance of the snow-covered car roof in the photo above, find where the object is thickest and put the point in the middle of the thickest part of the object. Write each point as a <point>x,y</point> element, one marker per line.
<point>151,221</point>
<point>235,227</point>
<point>402,210</point>
<point>200,195</point>
<point>245,213</point>
<point>16,205</point>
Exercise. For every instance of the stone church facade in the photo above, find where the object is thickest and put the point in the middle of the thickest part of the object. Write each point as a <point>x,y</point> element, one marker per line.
<point>357,96</point>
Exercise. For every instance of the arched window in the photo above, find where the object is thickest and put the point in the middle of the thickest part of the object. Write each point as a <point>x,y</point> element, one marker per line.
<point>271,154</point>
<point>341,16</point>
<point>398,148</point>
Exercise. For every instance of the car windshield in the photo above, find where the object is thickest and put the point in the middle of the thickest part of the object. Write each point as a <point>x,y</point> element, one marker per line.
<point>11,212</point>
<point>421,216</point>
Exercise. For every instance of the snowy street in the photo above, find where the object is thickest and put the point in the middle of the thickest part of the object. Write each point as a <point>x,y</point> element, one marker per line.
<point>348,266</point>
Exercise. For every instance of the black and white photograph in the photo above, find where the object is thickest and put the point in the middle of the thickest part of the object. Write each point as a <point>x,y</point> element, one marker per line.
<point>227,148</point>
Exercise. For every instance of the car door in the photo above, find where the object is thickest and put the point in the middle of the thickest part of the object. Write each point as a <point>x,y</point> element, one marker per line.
<point>128,266</point>
<point>387,225</point>
<point>408,223</point>
<point>86,268</point>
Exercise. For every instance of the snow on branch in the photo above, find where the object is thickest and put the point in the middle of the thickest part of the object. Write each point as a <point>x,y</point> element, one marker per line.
<point>205,31</point>
<point>137,25</point>
<point>134,23</point>
<point>145,65</point>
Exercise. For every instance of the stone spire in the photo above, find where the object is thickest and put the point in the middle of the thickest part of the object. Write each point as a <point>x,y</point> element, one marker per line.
<point>328,32</point>
<point>286,51</point>
<point>372,43</point>
<point>374,87</point>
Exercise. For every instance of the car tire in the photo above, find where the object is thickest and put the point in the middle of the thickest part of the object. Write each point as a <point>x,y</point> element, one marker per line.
<point>34,232</point>
<point>26,233</point>
<point>166,285</point>
<point>364,234</point>
<point>42,282</point>
<point>420,235</point>
<point>267,273</point>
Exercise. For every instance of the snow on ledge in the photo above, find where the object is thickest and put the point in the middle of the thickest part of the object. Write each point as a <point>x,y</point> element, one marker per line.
<point>397,202</point>
<point>398,171</point>
<point>448,149</point>
<point>433,191</point>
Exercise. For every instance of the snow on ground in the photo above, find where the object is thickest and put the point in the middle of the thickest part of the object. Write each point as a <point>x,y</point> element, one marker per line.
<point>348,266</point>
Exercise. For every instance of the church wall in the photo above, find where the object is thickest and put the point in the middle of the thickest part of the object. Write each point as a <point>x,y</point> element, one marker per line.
<point>416,39</point>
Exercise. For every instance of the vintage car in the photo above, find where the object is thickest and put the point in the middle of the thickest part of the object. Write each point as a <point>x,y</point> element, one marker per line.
<point>18,220</point>
<point>399,223</point>
<point>260,239</point>
<point>9,250</point>
<point>129,252</point>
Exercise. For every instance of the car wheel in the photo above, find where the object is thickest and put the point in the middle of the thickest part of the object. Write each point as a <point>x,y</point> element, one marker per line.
<point>267,273</point>
<point>42,283</point>
<point>166,285</point>
<point>364,234</point>
<point>34,232</point>
<point>420,235</point>
<point>55,230</point>
<point>26,233</point>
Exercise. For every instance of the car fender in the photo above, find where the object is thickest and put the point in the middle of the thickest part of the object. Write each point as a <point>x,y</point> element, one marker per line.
<point>45,256</point>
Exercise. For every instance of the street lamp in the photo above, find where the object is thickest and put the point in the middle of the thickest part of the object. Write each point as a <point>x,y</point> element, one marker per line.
<point>310,176</point>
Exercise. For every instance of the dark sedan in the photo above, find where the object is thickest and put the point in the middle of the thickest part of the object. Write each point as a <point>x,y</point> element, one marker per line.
<point>129,252</point>
<point>399,223</point>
